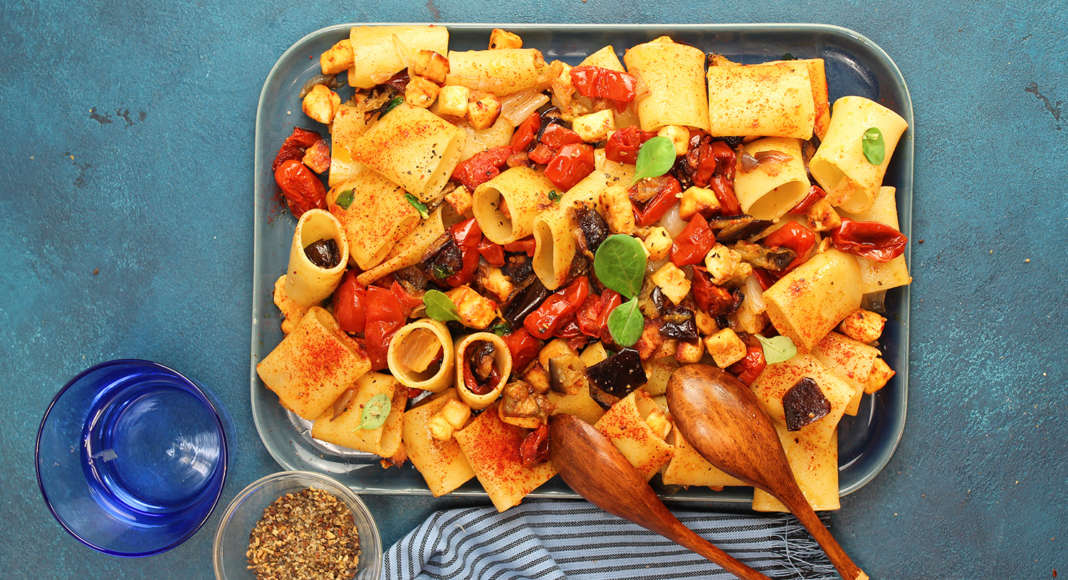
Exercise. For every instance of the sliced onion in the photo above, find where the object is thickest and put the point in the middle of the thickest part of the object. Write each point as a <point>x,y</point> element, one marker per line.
<point>672,222</point>
<point>518,106</point>
<point>754,294</point>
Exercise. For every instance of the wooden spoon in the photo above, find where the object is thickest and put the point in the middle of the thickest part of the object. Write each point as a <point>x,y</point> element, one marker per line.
<point>721,418</point>
<point>594,468</point>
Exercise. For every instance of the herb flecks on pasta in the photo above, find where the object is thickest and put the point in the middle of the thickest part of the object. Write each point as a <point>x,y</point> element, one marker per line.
<point>505,238</point>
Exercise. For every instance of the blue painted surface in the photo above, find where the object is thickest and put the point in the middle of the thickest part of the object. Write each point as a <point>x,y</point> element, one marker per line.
<point>129,152</point>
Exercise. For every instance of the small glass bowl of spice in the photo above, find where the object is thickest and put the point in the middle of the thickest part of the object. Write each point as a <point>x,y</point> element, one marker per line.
<point>294,525</point>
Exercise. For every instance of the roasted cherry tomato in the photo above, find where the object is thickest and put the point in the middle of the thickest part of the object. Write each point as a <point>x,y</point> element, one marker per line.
<point>544,321</point>
<point>764,278</point>
<point>524,348</point>
<point>350,304</point>
<point>295,145</point>
<point>526,246</point>
<point>623,145</point>
<point>714,300</point>
<point>302,189</point>
<point>556,136</point>
<point>408,301</point>
<point>491,252</point>
<point>873,240</point>
<point>526,132</point>
<point>815,193</point>
<point>750,367</point>
<point>693,243</point>
<point>534,448</point>
<point>603,83</point>
<point>467,236</point>
<point>573,162</point>
<point>385,314</point>
<point>541,154</point>
<point>795,236</point>
<point>481,167</point>
<point>651,211</point>
<point>712,165</point>
<point>592,318</point>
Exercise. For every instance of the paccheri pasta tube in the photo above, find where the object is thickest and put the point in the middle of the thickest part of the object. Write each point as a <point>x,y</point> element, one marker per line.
<point>850,360</point>
<point>374,214</point>
<point>483,365</point>
<point>313,365</point>
<point>500,72</point>
<point>555,230</point>
<point>810,301</point>
<point>421,355</point>
<point>350,428</point>
<point>379,52</point>
<point>308,282</point>
<point>626,425</point>
<point>877,276</point>
<point>777,183</point>
<point>506,205</point>
<point>814,463</point>
<point>673,76</point>
<point>441,463</point>
<point>414,148</point>
<point>410,250</point>
<point>761,100</point>
<point>688,467</point>
<point>778,379</point>
<point>840,166</point>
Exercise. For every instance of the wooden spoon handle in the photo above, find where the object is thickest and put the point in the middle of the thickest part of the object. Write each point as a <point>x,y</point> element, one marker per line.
<point>804,512</point>
<point>687,538</point>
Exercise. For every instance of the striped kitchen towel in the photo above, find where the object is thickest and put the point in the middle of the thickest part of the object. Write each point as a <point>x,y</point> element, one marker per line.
<point>544,540</point>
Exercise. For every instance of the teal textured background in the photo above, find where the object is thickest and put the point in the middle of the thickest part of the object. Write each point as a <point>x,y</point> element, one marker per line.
<point>129,129</point>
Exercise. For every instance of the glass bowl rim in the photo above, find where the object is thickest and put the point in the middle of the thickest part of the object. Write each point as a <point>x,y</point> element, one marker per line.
<point>351,498</point>
<point>224,455</point>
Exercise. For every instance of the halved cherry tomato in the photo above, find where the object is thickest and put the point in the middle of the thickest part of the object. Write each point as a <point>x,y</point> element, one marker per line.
<point>534,448</point>
<point>556,136</point>
<point>481,167</point>
<point>712,164</point>
<point>295,145</point>
<point>592,318</point>
<point>467,236</point>
<point>750,367</point>
<point>623,145</point>
<point>873,240</point>
<point>385,314</point>
<point>602,83</point>
<point>815,193</point>
<point>491,252</point>
<point>544,321</point>
<point>526,132</point>
<point>714,300</point>
<point>693,243</point>
<point>302,189</point>
<point>408,301</point>
<point>571,164</point>
<point>526,245</point>
<point>350,304</point>
<point>541,154</point>
<point>795,236</point>
<point>524,348</point>
<point>661,202</point>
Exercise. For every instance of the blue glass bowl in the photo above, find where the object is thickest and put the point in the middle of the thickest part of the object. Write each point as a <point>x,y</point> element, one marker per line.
<point>131,457</point>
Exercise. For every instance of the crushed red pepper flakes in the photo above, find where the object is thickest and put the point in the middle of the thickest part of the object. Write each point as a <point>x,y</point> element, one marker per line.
<point>304,535</point>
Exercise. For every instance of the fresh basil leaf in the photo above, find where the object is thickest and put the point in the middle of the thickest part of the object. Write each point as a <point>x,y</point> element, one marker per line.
<point>439,306</point>
<point>501,328</point>
<point>625,323</point>
<point>874,148</point>
<point>345,198</point>
<point>375,412</point>
<point>620,264</point>
<point>655,158</point>
<point>418,205</point>
<point>777,349</point>
<point>392,104</point>
<point>554,196</point>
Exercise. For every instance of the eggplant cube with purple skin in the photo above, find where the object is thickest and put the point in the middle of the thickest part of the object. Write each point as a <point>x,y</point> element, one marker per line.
<point>804,404</point>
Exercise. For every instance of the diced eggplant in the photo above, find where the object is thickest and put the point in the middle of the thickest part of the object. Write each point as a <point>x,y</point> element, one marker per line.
<point>594,228</point>
<point>678,323</point>
<point>412,278</point>
<point>737,228</point>
<point>323,253</point>
<point>804,404</point>
<point>618,374</point>
<point>527,301</point>
<point>567,373</point>
<point>518,267</point>
<point>445,262</point>
<point>775,259</point>
<point>602,398</point>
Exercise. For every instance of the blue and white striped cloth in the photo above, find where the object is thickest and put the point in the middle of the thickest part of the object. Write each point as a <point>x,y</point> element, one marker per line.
<point>550,540</point>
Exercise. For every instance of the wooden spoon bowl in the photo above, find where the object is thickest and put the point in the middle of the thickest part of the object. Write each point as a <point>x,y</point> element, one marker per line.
<point>592,466</point>
<point>721,418</point>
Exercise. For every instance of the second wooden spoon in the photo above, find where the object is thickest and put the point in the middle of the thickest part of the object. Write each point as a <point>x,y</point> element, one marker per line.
<point>593,467</point>
<point>721,418</point>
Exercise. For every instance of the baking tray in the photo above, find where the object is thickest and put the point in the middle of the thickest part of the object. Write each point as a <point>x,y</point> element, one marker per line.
<point>855,66</point>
